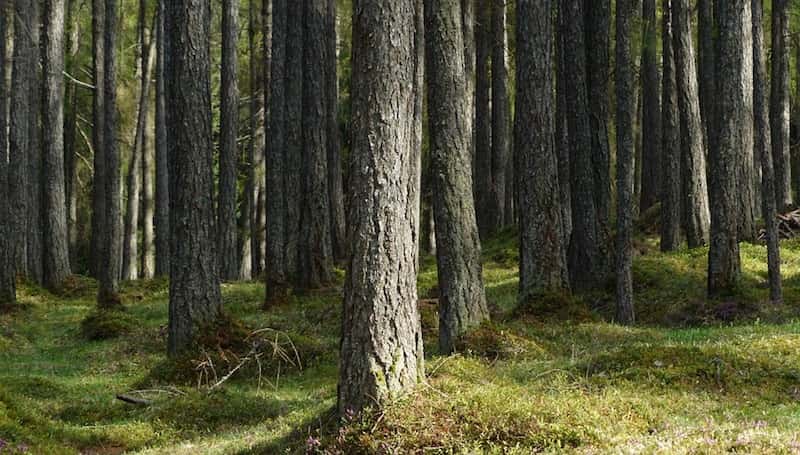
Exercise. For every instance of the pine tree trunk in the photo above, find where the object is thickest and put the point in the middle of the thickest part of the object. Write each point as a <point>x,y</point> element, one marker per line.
<point>482,172</point>
<point>705,60</point>
<point>146,258</point>
<point>651,164</point>
<point>194,290</point>
<point>724,265</point>
<point>70,127</point>
<point>693,149</point>
<point>746,163</point>
<point>335,178</point>
<point>670,141</point>
<point>248,209</point>
<point>293,167</point>
<point>259,221</point>
<point>501,112</point>
<point>228,153</point>
<point>462,299</point>
<point>764,152</point>
<point>8,274</point>
<point>468,31</point>
<point>381,349</point>
<point>779,104</point>
<point>543,250</point>
<point>162,160</point>
<point>562,131</point>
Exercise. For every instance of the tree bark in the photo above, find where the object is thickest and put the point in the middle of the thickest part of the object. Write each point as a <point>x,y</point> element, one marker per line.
<point>381,349</point>
<point>651,110</point>
<point>693,148</point>
<point>8,274</point>
<point>562,130</point>
<point>98,182</point>
<point>705,59</point>
<point>335,179</point>
<point>501,112</point>
<point>293,166</point>
<point>746,162</point>
<point>70,127</point>
<point>194,290</point>
<point>779,104</point>
<point>482,171</point>
<point>670,141</point>
<point>468,31</point>
<point>543,250</point>
<point>724,266</point>
<point>162,160</point>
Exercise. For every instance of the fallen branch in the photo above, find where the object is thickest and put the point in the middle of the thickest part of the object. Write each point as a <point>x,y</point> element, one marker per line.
<point>134,400</point>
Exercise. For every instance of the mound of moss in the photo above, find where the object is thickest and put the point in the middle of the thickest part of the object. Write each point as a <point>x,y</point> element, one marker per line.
<point>105,324</point>
<point>554,307</point>
<point>492,341</point>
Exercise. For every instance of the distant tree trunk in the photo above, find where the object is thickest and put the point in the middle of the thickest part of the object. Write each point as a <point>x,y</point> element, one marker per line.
<point>248,208</point>
<point>98,183</point>
<point>293,167</point>
<point>468,30</point>
<point>8,274</point>
<point>501,112</point>
<point>693,149</point>
<point>56,243</point>
<point>587,262</point>
<point>763,151</point>
<point>724,265</point>
<point>482,171</point>
<point>543,250</point>
<point>146,256</point>
<point>670,141</point>
<point>110,247</point>
<point>259,221</point>
<point>335,183</point>
<point>194,289</point>
<point>779,104</point>
<point>627,11</point>
<point>381,349</point>
<point>70,126</point>
<point>651,110</point>
<point>462,299</point>
<point>316,252</point>
<point>746,163</point>
<point>228,153</point>
<point>162,160</point>
<point>562,131</point>
<point>705,59</point>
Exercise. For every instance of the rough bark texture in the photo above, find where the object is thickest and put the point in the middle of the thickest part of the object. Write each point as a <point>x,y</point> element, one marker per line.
<point>482,171</point>
<point>693,151</point>
<point>746,163</point>
<point>194,291</point>
<point>670,141</point>
<point>70,127</point>
<point>562,131</point>
<point>56,243</point>
<point>147,217</point>
<point>626,117</point>
<point>8,276</point>
<point>501,113</point>
<point>724,266</point>
<point>764,152</point>
<point>462,299</point>
<point>779,104</point>
<point>705,60</point>
<point>316,252</point>
<point>587,264</point>
<point>247,164</point>
<point>335,178</point>
<point>110,245</point>
<point>98,181</point>
<point>381,349</point>
<point>468,30</point>
<point>543,250</point>
<point>276,275</point>
<point>162,161</point>
<point>651,110</point>
<point>293,150</point>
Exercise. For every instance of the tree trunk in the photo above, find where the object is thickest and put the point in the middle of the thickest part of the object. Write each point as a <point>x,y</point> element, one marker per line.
<point>247,165</point>
<point>468,30</point>
<point>746,163</point>
<point>56,243</point>
<point>8,274</point>
<point>482,171</point>
<point>146,257</point>
<point>587,250</point>
<point>501,112</point>
<point>543,250</point>
<point>194,291</point>
<point>110,247</point>
<point>293,167</point>
<point>693,149</point>
<point>651,110</point>
<point>70,127</point>
<point>228,153</point>
<point>562,131</point>
<point>335,183</point>
<point>462,299</point>
<point>779,104</point>
<point>724,266</point>
<point>705,59</point>
<point>259,220</point>
<point>764,152</point>
<point>162,160</point>
<point>670,141</point>
<point>381,349</point>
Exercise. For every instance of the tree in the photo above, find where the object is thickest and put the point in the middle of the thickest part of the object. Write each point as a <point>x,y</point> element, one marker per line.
<point>293,151</point>
<point>335,183</point>
<point>194,291</point>
<point>543,251</point>
<point>693,172</point>
<point>764,152</point>
<point>228,154</point>
<point>8,274</point>
<point>70,127</point>
<point>501,112</point>
<point>562,129</point>
<point>746,175</point>
<point>733,21</point>
<point>779,104</point>
<point>99,196</point>
<point>111,246</point>
<point>670,141</point>
<point>462,299</point>
<point>626,114</point>
<point>381,349</point>
<point>705,60</point>
<point>651,110</point>
<point>56,245</point>
<point>482,169</point>
<point>162,161</point>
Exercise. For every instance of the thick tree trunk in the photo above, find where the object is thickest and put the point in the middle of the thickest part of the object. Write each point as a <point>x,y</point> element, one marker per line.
<point>779,104</point>
<point>764,152</point>
<point>670,141</point>
<point>501,113</point>
<point>111,246</point>
<point>746,163</point>
<point>162,160</point>
<point>587,249</point>
<point>693,149</point>
<point>462,299</point>
<point>293,166</point>
<point>381,349</point>
<point>562,131</point>
<point>543,250</point>
<point>724,265</point>
<point>8,274</point>
<point>482,171</point>
<point>228,153</point>
<point>627,11</point>
<point>194,291</point>
<point>705,60</point>
<point>335,179</point>
<point>651,164</point>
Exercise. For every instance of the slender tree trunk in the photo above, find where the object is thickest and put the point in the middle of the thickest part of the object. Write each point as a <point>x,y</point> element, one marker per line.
<point>501,112</point>
<point>724,265</point>
<point>247,166</point>
<point>543,250</point>
<point>779,104</point>
<point>705,59</point>
<point>462,299</point>
<point>293,167</point>
<point>692,139</point>
<point>111,246</point>
<point>763,151</point>
<point>482,171</point>
<point>381,349</point>
<point>98,183</point>
<point>468,29</point>
<point>562,131</point>
<point>194,292</point>
<point>162,160</point>
<point>651,110</point>
<point>746,163</point>
<point>8,274</point>
<point>70,127</point>
<point>335,183</point>
<point>259,222</point>
<point>146,256</point>
<point>670,141</point>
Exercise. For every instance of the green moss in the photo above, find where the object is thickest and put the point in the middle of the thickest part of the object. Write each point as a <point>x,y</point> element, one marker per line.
<point>494,342</point>
<point>104,324</point>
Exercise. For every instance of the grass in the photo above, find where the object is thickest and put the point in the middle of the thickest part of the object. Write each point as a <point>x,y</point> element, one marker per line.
<point>692,377</point>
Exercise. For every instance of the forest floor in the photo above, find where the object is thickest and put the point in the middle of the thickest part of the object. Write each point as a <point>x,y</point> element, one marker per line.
<point>692,377</point>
